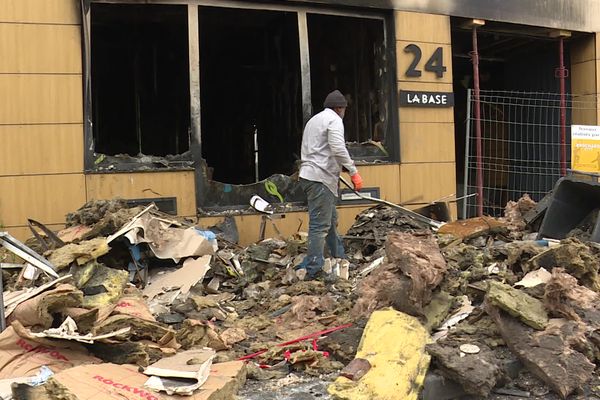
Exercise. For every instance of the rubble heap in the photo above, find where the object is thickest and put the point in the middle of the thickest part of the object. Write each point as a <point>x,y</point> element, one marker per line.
<point>150,303</point>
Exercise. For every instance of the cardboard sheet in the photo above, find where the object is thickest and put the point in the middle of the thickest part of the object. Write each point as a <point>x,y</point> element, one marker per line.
<point>132,303</point>
<point>534,278</point>
<point>184,278</point>
<point>118,382</point>
<point>166,238</point>
<point>21,355</point>
<point>189,368</point>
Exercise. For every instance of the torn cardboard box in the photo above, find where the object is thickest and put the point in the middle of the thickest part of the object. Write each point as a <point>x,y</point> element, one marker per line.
<point>181,374</point>
<point>23,355</point>
<point>118,382</point>
<point>134,305</point>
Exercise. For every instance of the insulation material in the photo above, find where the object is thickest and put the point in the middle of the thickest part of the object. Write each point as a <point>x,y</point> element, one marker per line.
<point>305,309</point>
<point>518,304</point>
<point>576,258</point>
<point>394,344</point>
<point>135,353</point>
<point>465,309</point>
<point>514,212</point>
<point>232,336</point>
<point>39,311</point>
<point>140,329</point>
<point>13,299</point>
<point>195,333</point>
<point>104,286</point>
<point>94,211</point>
<point>549,355</point>
<point>82,252</point>
<point>6,385</point>
<point>414,269</point>
<point>566,298</point>
<point>475,367</point>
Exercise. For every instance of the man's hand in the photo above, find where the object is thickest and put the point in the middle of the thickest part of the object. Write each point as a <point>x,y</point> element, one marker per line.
<point>357,182</point>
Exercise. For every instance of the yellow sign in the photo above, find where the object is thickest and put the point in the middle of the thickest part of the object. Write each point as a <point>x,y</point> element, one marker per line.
<point>585,148</point>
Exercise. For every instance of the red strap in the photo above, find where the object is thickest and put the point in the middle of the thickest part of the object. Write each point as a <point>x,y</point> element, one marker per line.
<point>315,336</point>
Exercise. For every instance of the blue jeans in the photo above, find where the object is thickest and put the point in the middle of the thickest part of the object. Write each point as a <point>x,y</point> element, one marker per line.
<point>321,227</point>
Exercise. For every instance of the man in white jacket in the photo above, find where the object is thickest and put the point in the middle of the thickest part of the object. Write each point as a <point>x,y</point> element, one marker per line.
<point>324,154</point>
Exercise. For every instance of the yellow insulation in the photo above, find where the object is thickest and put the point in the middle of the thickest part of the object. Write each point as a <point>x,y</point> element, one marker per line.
<point>394,343</point>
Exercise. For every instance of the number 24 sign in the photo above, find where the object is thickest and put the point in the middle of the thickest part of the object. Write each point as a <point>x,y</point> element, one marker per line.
<point>434,64</point>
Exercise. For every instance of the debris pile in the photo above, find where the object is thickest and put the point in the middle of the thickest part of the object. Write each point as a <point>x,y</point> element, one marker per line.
<point>89,321</point>
<point>131,300</point>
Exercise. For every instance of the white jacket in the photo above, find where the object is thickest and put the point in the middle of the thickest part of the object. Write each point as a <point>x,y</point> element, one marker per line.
<point>324,150</point>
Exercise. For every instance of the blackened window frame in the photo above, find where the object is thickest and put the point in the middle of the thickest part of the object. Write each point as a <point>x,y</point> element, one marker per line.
<point>392,134</point>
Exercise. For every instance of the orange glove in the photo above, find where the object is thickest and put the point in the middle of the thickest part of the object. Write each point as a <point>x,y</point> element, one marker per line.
<point>357,182</point>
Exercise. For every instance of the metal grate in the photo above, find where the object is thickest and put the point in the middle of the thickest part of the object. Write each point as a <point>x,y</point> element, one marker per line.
<point>521,145</point>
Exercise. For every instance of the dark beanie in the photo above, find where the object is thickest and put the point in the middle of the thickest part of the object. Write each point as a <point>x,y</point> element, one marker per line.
<point>335,99</point>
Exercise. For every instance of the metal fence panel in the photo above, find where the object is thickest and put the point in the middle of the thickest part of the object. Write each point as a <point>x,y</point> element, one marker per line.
<point>521,148</point>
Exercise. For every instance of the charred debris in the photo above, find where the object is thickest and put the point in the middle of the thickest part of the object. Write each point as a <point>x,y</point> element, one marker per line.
<point>480,308</point>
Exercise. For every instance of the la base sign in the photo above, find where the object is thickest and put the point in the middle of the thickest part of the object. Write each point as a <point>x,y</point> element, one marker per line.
<point>426,99</point>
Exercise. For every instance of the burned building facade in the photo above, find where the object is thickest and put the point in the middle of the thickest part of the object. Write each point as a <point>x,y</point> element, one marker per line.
<point>198,105</point>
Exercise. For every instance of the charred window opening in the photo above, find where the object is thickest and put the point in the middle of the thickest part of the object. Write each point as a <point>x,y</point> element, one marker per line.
<point>140,79</point>
<point>226,91</point>
<point>349,53</point>
<point>250,84</point>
